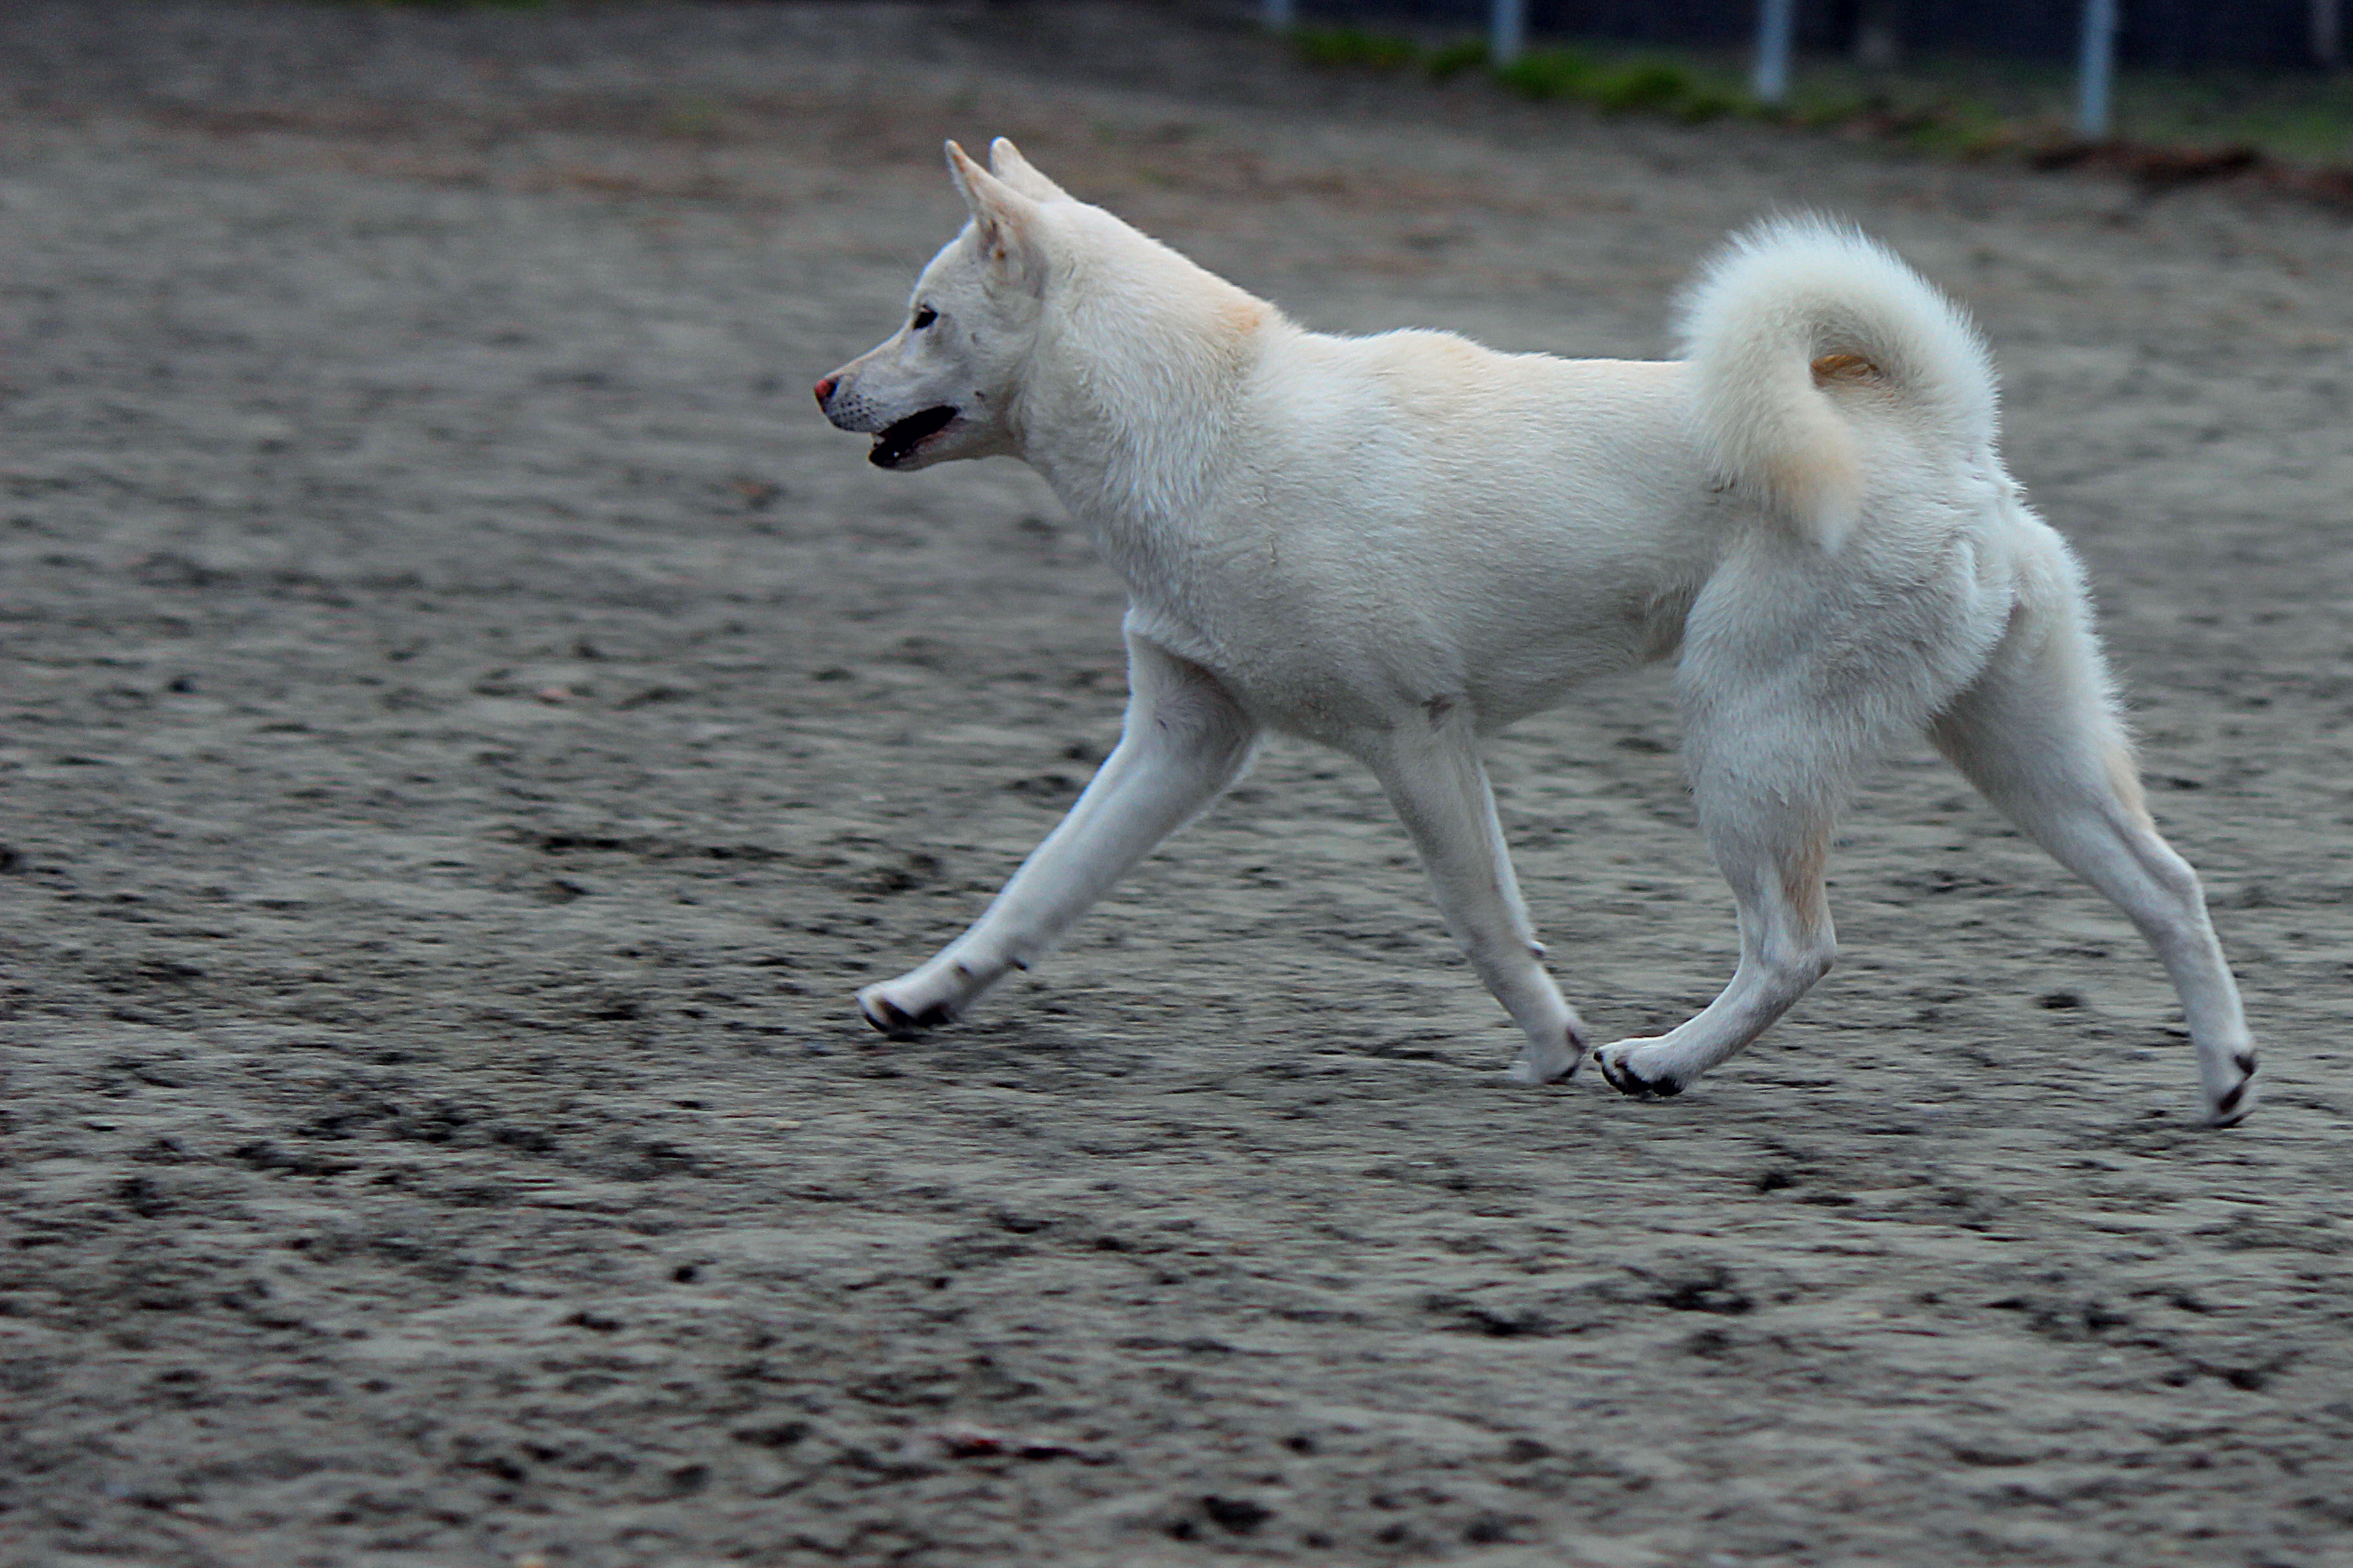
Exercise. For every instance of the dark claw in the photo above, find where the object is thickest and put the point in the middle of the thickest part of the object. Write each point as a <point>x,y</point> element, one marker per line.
<point>2227,1105</point>
<point>1626,1080</point>
<point>902,1026</point>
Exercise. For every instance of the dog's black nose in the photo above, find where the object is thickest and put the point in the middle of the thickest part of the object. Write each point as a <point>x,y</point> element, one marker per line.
<point>825,391</point>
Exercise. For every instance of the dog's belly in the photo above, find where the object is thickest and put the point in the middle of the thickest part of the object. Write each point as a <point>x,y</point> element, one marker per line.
<point>1335,655</point>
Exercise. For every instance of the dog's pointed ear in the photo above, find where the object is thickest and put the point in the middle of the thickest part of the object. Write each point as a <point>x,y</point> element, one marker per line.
<point>1006,162</point>
<point>1008,219</point>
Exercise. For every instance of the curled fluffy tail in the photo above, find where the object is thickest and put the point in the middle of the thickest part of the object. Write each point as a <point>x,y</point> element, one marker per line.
<point>1795,318</point>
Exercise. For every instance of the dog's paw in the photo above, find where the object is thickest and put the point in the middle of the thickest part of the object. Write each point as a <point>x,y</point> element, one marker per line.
<point>1535,1072</point>
<point>1552,1063</point>
<point>898,1022</point>
<point>1621,1072</point>
<point>2229,1108</point>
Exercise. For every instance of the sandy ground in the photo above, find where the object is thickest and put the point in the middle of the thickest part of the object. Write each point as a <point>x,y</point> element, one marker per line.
<point>471,726</point>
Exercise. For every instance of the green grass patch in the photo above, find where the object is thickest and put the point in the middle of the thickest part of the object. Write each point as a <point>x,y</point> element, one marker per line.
<point>1957,107</point>
<point>1968,105</point>
<point>1546,74</point>
<point>1354,49</point>
<point>1646,84</point>
<point>1641,84</point>
<point>1453,59</point>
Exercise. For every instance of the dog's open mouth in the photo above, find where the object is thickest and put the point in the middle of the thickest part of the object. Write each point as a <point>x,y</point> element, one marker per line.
<point>896,442</point>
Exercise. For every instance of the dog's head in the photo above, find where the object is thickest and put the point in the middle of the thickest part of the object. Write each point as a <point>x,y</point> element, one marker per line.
<point>942,385</point>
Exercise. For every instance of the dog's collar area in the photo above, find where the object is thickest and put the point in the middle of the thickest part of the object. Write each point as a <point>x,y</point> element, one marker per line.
<point>896,442</point>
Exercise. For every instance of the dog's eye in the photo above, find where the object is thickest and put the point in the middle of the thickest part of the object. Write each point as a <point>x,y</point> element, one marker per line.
<point>925,317</point>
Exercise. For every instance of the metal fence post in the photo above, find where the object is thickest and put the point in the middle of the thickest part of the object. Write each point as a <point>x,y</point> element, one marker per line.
<point>2098,69</point>
<point>1507,31</point>
<point>1776,24</point>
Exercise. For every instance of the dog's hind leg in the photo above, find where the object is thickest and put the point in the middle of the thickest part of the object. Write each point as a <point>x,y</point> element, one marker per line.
<point>2038,734</point>
<point>1439,787</point>
<point>1771,847</point>
<point>1782,682</point>
<point>1184,742</point>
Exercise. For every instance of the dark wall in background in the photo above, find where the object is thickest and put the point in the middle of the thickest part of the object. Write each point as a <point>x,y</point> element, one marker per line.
<point>2171,33</point>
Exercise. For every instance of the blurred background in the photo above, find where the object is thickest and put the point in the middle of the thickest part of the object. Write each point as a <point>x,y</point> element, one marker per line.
<point>2166,34</point>
<point>2268,74</point>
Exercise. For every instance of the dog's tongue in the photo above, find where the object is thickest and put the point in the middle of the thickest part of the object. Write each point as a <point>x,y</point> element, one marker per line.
<point>897,440</point>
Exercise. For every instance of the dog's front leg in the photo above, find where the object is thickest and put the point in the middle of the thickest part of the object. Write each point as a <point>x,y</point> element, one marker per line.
<point>1439,787</point>
<point>1185,741</point>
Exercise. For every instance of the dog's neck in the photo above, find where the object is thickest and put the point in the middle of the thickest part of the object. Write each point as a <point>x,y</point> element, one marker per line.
<point>1132,392</point>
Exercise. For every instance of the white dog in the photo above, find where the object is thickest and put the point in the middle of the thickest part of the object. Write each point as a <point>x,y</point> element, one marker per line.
<point>1397,544</point>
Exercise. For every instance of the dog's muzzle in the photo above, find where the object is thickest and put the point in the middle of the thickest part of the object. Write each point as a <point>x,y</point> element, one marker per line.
<point>896,442</point>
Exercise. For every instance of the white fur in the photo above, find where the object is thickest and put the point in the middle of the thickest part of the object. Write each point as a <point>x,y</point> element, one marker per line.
<point>1779,298</point>
<point>1399,543</point>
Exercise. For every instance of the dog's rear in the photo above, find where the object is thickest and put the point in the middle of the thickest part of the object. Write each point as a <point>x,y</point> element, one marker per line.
<point>1913,589</point>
